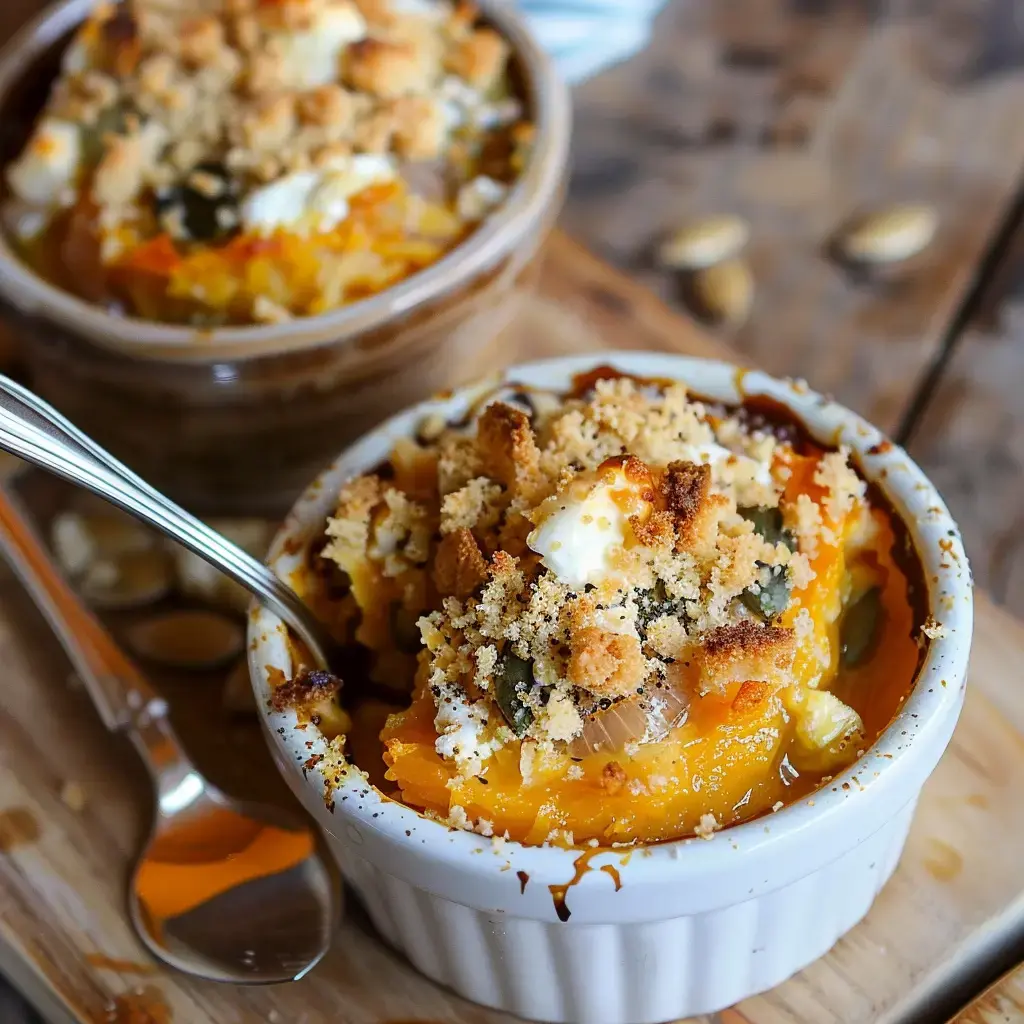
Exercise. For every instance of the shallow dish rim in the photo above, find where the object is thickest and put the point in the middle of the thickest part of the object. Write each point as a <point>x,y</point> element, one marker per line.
<point>922,723</point>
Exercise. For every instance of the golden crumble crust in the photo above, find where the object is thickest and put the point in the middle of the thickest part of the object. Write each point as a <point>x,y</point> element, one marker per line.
<point>479,58</point>
<point>596,546</point>
<point>459,566</point>
<point>744,651</point>
<point>385,68</point>
<point>606,664</point>
<point>506,443</point>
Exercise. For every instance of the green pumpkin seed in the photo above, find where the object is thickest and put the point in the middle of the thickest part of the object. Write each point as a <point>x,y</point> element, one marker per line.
<point>772,598</point>
<point>513,678</point>
<point>858,631</point>
<point>768,525</point>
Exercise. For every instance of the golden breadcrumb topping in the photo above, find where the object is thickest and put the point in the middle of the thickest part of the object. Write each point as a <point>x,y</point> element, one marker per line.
<point>626,547</point>
<point>386,129</point>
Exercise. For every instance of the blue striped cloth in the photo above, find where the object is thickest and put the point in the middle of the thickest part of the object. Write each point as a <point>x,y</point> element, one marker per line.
<point>585,36</point>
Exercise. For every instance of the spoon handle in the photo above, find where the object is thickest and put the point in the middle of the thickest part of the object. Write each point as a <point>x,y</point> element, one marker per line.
<point>33,430</point>
<point>122,695</point>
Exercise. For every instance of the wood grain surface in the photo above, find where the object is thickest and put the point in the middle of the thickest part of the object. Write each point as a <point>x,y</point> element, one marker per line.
<point>970,437</point>
<point>954,902</point>
<point>797,115</point>
<point>1003,1003</point>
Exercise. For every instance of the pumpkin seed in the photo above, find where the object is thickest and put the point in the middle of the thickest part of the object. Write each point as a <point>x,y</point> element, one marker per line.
<point>768,524</point>
<point>771,597</point>
<point>187,639</point>
<point>135,579</point>
<point>431,428</point>
<point>704,242</point>
<point>80,539</point>
<point>891,234</point>
<point>203,207</point>
<point>73,796</point>
<point>724,293</point>
<point>859,628</point>
<point>513,678</point>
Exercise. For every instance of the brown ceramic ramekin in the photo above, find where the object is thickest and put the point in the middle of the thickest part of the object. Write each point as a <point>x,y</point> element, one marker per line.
<point>237,420</point>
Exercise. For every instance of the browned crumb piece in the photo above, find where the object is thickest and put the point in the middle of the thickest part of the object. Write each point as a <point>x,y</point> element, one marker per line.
<point>329,106</point>
<point>507,446</point>
<point>686,488</point>
<point>606,664</point>
<point>200,40</point>
<point>385,68</point>
<point>419,127</point>
<point>479,58</point>
<point>656,531</point>
<point>459,566</point>
<point>745,651</point>
<point>308,689</point>
<point>613,777</point>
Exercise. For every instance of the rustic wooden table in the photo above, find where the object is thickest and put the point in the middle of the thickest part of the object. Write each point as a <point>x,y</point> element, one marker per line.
<point>797,114</point>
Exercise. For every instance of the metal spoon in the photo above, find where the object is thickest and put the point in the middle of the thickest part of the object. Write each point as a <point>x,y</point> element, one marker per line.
<point>224,889</point>
<point>33,430</point>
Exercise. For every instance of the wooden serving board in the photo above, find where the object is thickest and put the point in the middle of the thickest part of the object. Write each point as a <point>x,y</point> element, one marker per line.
<point>956,901</point>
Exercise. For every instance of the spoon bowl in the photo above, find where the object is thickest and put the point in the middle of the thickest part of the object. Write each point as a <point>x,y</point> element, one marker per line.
<point>215,862</point>
<point>223,889</point>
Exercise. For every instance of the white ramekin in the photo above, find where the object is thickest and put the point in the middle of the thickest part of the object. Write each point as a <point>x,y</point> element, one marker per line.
<point>697,925</point>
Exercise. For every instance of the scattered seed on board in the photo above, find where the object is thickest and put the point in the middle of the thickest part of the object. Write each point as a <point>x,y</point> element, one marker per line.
<point>704,242</point>
<point>187,639</point>
<point>73,796</point>
<point>724,293</point>
<point>132,580</point>
<point>890,234</point>
<point>80,539</point>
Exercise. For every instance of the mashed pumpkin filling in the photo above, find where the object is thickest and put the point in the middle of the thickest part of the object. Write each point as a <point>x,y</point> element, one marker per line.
<point>622,615</point>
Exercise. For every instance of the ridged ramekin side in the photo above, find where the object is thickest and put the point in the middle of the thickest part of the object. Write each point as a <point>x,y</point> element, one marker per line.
<point>634,973</point>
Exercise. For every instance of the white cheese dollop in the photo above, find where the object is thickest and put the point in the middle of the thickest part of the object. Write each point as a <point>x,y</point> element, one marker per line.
<point>721,459</point>
<point>313,200</point>
<point>580,528</point>
<point>45,172</point>
<point>460,729</point>
<point>313,57</point>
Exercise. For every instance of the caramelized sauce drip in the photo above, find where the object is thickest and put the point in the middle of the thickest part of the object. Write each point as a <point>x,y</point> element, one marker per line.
<point>580,867</point>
